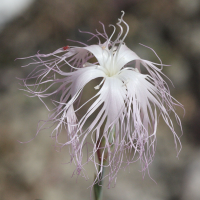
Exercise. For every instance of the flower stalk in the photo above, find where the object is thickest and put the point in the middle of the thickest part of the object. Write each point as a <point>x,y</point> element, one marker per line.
<point>98,186</point>
<point>102,155</point>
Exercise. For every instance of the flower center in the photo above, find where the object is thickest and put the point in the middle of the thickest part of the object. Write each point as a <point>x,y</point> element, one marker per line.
<point>111,73</point>
<point>109,64</point>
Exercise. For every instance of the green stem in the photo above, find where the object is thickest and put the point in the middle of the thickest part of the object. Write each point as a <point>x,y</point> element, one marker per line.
<point>98,187</point>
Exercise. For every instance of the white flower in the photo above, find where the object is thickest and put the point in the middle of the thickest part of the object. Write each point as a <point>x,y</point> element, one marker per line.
<point>122,118</point>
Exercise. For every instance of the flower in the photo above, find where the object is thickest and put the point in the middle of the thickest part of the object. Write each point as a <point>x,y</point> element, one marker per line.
<point>122,115</point>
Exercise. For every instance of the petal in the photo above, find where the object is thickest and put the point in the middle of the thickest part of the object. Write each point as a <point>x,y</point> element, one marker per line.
<point>113,94</point>
<point>101,54</point>
<point>80,56</point>
<point>111,99</point>
<point>123,56</point>
<point>141,92</point>
<point>82,76</point>
<point>145,95</point>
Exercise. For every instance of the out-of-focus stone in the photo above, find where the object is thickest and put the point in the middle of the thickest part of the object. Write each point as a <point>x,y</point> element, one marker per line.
<point>189,7</point>
<point>191,189</point>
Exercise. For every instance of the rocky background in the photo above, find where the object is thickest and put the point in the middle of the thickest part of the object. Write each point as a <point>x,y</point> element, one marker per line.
<point>34,170</point>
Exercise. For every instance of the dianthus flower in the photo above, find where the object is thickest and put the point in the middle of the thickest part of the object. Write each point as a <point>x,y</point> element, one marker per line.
<point>123,113</point>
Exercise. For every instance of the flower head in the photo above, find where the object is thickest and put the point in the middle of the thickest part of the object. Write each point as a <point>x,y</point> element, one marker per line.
<point>122,115</point>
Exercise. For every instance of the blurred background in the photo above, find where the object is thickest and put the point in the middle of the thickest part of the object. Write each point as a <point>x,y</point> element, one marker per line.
<point>35,170</point>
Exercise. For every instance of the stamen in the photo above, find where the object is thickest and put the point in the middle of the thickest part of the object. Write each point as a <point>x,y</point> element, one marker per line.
<point>121,32</point>
<point>112,33</point>
<point>119,35</point>
<point>94,35</point>
<point>136,70</point>
<point>120,21</point>
<point>125,83</point>
<point>101,34</point>
<point>98,86</point>
<point>127,26</point>
<point>123,13</point>
<point>104,29</point>
<point>126,31</point>
<point>87,64</point>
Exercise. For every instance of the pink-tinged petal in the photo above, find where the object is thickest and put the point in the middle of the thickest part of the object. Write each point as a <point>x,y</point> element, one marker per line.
<point>143,99</point>
<point>82,76</point>
<point>111,97</point>
<point>79,56</point>
<point>110,100</point>
<point>123,56</point>
<point>113,93</point>
<point>72,129</point>
<point>101,53</point>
